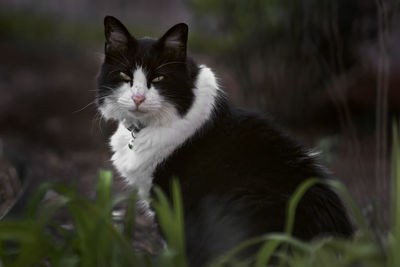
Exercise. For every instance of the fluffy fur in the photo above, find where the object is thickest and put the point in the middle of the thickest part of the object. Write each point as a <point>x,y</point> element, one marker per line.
<point>159,139</point>
<point>236,168</point>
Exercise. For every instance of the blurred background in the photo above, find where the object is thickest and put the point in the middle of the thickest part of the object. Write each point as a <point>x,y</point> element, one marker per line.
<point>327,70</point>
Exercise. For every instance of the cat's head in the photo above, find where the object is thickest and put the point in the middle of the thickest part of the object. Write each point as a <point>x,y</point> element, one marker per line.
<point>145,79</point>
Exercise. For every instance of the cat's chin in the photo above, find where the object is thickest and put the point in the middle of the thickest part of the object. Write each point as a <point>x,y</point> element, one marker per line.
<point>139,112</point>
<point>141,115</point>
<point>138,116</point>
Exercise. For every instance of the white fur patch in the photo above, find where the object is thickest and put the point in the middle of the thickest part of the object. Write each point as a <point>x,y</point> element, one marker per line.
<point>120,106</point>
<point>163,135</point>
<point>139,81</point>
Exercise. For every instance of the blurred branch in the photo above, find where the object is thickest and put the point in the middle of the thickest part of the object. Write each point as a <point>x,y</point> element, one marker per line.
<point>381,168</point>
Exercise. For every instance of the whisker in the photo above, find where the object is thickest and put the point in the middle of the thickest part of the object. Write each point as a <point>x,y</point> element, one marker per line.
<point>107,87</point>
<point>90,103</point>
<point>97,118</point>
<point>81,109</point>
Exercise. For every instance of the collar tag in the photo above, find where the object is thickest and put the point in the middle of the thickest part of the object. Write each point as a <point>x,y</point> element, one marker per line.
<point>134,129</point>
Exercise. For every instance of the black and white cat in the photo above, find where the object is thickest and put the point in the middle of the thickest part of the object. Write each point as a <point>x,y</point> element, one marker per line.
<point>236,169</point>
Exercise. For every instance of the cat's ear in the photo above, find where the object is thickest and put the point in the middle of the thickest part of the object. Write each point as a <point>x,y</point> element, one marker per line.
<point>117,36</point>
<point>173,42</point>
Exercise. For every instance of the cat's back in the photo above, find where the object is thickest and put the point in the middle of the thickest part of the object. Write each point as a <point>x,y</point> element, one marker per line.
<point>237,174</point>
<point>237,149</point>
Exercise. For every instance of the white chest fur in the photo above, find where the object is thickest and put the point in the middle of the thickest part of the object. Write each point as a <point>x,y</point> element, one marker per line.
<point>155,143</point>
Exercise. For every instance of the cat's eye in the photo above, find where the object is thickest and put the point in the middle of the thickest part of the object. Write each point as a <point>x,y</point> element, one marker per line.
<point>125,76</point>
<point>157,79</point>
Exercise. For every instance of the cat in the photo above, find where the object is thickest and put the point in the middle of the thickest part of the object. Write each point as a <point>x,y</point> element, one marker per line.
<point>236,168</point>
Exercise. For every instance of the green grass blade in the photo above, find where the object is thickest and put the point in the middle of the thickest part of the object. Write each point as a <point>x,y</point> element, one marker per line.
<point>271,242</point>
<point>230,255</point>
<point>103,193</point>
<point>354,209</point>
<point>92,228</point>
<point>294,201</point>
<point>266,252</point>
<point>27,235</point>
<point>178,211</point>
<point>171,222</point>
<point>37,198</point>
<point>130,216</point>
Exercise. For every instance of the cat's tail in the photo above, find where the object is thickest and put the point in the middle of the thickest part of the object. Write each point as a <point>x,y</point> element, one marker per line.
<point>218,225</point>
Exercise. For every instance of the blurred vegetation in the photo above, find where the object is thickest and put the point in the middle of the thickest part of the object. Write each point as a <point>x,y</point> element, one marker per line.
<point>96,240</point>
<point>284,55</point>
<point>287,53</point>
<point>280,51</point>
<point>41,240</point>
<point>40,29</point>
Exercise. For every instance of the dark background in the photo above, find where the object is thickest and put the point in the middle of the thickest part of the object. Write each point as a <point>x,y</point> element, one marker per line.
<point>327,70</point>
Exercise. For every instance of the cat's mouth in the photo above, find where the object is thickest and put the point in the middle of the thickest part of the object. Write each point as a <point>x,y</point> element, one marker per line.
<point>138,111</point>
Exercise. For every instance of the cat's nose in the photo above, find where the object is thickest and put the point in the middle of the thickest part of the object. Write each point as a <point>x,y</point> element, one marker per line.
<point>138,99</point>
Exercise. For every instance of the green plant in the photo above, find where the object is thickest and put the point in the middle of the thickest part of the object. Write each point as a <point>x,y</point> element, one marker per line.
<point>39,239</point>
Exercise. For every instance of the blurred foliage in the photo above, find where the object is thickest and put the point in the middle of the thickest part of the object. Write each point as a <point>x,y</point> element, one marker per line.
<point>326,145</point>
<point>286,50</point>
<point>34,28</point>
<point>280,51</point>
<point>95,238</point>
<point>39,29</point>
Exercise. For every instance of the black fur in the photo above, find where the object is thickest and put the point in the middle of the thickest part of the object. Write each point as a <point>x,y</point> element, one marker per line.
<point>238,171</point>
<point>244,168</point>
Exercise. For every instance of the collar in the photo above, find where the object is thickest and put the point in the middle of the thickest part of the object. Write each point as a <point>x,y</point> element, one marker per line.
<point>134,128</point>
